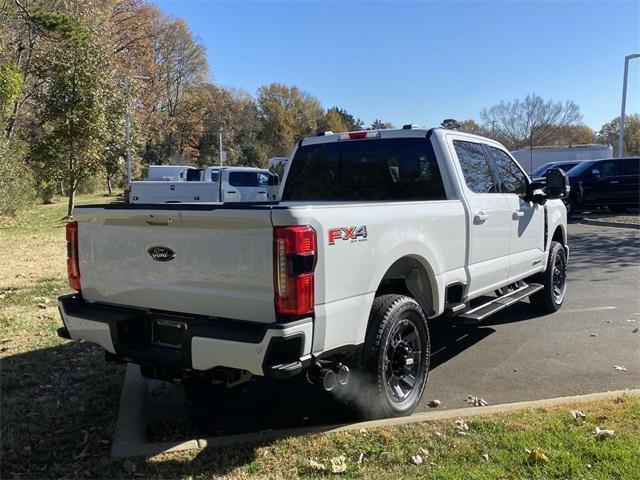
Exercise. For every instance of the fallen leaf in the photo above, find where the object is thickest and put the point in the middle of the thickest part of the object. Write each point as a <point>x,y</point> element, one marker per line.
<point>423,451</point>
<point>434,403</point>
<point>593,334</point>
<point>461,426</point>
<point>578,415</point>
<point>537,455</point>
<point>315,465</point>
<point>636,330</point>
<point>515,370</point>
<point>476,401</point>
<point>416,459</point>
<point>601,434</point>
<point>42,305</point>
<point>360,458</point>
<point>620,368</point>
<point>485,456</point>
<point>339,464</point>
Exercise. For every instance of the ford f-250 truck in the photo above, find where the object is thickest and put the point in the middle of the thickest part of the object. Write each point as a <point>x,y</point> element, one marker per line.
<point>376,234</point>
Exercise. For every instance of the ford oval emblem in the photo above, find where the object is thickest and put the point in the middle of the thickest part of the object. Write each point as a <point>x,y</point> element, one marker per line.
<point>161,254</point>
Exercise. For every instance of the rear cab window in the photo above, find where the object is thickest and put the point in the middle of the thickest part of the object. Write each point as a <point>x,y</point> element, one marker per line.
<point>243,179</point>
<point>392,169</point>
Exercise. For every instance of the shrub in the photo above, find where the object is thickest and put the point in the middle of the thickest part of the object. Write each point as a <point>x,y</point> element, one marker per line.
<point>16,180</point>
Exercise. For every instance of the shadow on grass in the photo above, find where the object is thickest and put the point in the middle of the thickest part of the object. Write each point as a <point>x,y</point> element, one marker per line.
<point>59,406</point>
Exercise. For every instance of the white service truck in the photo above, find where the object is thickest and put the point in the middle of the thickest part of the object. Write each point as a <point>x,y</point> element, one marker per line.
<point>207,185</point>
<point>377,234</point>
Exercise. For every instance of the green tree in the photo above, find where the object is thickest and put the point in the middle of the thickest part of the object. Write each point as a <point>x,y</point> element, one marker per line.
<point>339,120</point>
<point>610,134</point>
<point>74,115</point>
<point>10,86</point>
<point>380,125</point>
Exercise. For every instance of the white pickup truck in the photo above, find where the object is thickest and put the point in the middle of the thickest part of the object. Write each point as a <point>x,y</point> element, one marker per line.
<point>206,185</point>
<point>376,235</point>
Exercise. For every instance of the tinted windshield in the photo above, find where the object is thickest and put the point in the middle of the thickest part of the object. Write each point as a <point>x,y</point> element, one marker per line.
<point>367,170</point>
<point>579,168</point>
<point>541,170</point>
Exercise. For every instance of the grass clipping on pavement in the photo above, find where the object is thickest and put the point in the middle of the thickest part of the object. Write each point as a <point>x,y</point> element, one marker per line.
<point>60,399</point>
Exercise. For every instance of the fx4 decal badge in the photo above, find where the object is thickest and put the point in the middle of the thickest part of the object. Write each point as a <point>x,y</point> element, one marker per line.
<point>353,234</point>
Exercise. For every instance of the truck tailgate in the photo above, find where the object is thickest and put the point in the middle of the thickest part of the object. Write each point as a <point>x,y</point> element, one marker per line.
<point>221,261</point>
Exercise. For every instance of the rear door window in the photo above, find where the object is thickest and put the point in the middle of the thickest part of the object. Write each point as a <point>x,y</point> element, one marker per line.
<point>511,178</point>
<point>398,169</point>
<point>475,167</point>
<point>243,179</point>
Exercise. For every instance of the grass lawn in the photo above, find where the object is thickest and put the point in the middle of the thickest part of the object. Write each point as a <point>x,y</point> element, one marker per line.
<point>59,404</point>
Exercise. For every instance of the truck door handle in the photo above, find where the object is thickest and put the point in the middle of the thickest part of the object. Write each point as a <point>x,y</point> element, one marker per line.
<point>262,192</point>
<point>614,181</point>
<point>232,191</point>
<point>480,217</point>
<point>518,214</point>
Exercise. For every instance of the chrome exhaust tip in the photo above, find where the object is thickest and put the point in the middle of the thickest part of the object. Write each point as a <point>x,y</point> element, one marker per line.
<point>324,377</point>
<point>343,373</point>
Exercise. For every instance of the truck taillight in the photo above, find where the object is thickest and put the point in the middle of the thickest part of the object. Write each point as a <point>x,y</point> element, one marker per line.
<point>73,263</point>
<point>294,259</point>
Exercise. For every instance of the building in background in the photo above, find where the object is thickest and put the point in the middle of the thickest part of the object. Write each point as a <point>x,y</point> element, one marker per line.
<point>531,160</point>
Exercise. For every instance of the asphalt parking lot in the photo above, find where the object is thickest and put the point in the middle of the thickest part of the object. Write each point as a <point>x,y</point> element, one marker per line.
<point>515,355</point>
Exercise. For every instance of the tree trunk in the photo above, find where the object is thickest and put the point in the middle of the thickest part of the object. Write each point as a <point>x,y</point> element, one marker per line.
<point>61,187</point>
<point>109,189</point>
<point>71,195</point>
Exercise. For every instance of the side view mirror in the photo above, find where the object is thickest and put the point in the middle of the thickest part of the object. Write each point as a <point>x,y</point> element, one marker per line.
<point>557,183</point>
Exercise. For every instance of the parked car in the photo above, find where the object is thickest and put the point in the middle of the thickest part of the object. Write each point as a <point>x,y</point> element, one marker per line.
<point>613,183</point>
<point>211,184</point>
<point>564,165</point>
<point>378,234</point>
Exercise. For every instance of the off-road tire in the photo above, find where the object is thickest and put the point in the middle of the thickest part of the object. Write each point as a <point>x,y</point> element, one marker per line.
<point>548,300</point>
<point>373,398</point>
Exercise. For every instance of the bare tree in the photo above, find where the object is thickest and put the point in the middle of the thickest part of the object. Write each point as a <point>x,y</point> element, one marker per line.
<point>529,122</point>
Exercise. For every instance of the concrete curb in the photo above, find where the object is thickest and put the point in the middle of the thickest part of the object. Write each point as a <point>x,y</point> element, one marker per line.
<point>604,223</point>
<point>129,441</point>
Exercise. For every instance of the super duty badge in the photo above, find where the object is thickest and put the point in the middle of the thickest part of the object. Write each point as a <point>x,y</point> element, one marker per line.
<point>353,234</point>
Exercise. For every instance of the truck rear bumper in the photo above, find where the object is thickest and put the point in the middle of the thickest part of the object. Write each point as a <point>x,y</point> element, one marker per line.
<point>189,344</point>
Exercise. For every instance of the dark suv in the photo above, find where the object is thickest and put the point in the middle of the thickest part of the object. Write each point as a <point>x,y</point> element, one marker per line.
<point>612,183</point>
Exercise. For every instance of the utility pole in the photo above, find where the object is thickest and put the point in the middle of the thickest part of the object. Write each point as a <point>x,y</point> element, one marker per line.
<point>624,101</point>
<point>220,144</point>
<point>127,129</point>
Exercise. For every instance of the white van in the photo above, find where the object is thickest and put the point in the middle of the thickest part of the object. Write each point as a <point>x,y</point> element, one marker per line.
<point>209,185</point>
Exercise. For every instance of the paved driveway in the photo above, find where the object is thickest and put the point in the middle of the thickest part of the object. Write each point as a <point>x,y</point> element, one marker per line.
<point>554,355</point>
<point>513,356</point>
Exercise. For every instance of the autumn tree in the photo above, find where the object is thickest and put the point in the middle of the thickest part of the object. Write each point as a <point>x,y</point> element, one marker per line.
<point>287,114</point>
<point>610,134</point>
<point>339,120</point>
<point>530,121</point>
